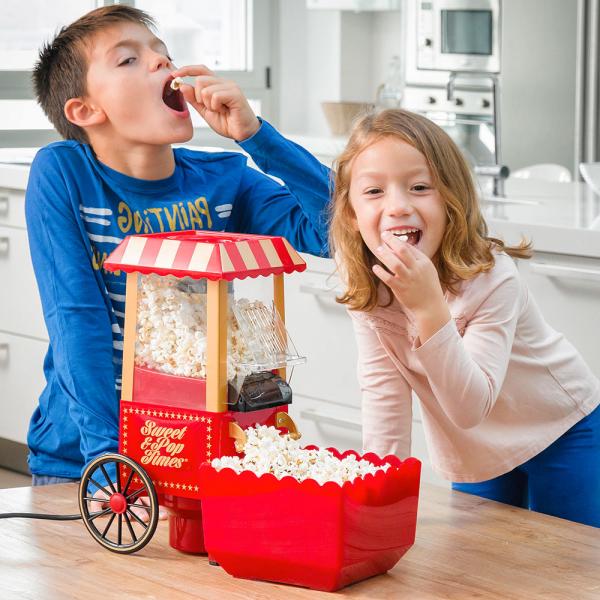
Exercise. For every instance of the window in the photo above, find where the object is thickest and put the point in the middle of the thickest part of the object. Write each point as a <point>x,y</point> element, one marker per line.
<point>217,34</point>
<point>24,26</point>
<point>229,36</point>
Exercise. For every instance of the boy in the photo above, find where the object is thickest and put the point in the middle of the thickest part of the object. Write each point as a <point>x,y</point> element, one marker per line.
<point>104,82</point>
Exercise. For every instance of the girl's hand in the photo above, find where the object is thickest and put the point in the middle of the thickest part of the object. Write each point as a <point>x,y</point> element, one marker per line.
<point>414,281</point>
<point>220,102</point>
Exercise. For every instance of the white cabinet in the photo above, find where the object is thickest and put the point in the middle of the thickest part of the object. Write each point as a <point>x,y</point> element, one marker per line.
<point>322,331</point>
<point>21,311</point>
<point>23,335</point>
<point>21,382</point>
<point>567,289</point>
<point>327,424</point>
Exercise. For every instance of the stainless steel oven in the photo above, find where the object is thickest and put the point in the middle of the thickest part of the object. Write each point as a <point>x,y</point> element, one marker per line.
<point>458,35</point>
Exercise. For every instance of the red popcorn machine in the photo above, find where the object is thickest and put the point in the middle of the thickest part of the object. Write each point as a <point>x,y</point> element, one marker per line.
<point>201,363</point>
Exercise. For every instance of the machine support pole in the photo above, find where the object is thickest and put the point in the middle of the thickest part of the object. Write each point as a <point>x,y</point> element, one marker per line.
<point>279,303</point>
<point>129,334</point>
<point>216,360</point>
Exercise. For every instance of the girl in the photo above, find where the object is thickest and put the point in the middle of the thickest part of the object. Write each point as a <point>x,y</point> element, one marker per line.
<point>509,406</point>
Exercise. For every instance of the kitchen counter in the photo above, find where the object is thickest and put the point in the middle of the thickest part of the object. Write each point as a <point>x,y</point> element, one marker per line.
<point>557,217</point>
<point>531,207</point>
<point>466,547</point>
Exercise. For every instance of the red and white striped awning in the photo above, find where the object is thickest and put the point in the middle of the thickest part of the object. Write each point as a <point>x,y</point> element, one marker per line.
<point>199,254</point>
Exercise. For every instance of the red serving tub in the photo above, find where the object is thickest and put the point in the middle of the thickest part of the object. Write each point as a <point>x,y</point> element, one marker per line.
<point>317,536</point>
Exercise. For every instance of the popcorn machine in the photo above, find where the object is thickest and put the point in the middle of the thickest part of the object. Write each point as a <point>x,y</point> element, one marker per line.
<point>199,366</point>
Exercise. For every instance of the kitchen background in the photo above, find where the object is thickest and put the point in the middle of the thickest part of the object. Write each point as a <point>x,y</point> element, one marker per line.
<point>515,82</point>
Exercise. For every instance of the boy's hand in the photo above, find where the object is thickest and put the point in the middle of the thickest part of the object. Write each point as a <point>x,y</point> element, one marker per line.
<point>220,102</point>
<point>414,281</point>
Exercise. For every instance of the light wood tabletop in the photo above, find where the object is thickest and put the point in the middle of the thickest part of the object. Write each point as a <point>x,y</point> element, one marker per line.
<point>466,547</point>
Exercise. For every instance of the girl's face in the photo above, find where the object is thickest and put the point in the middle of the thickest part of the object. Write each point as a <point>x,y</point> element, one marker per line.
<point>391,190</point>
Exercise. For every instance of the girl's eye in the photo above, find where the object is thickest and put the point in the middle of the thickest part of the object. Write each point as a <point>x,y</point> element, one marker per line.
<point>420,187</point>
<point>373,191</point>
<point>127,61</point>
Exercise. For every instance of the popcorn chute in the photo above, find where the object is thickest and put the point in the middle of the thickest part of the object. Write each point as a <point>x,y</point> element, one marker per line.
<point>200,365</point>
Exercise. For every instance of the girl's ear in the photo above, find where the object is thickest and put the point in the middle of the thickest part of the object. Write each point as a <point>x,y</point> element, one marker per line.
<point>80,112</point>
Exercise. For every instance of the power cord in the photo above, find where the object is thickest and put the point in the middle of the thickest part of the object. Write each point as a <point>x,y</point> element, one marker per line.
<point>39,516</point>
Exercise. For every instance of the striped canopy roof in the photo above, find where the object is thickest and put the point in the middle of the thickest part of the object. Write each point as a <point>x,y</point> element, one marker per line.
<point>200,254</point>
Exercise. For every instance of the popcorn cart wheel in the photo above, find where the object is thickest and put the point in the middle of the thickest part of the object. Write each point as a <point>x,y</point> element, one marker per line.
<point>123,483</point>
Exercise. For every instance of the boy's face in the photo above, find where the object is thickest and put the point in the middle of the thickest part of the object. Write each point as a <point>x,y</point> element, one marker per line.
<point>128,78</point>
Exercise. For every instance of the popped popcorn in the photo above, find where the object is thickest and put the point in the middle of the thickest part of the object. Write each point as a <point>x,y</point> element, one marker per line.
<point>176,83</point>
<point>172,329</point>
<point>268,451</point>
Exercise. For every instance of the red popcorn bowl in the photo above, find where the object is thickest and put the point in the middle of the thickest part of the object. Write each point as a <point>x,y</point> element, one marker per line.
<point>322,537</point>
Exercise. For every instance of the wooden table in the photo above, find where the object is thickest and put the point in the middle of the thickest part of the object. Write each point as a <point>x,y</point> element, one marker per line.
<point>466,547</point>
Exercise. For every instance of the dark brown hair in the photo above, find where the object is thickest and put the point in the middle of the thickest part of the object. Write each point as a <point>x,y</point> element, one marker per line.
<point>465,250</point>
<point>61,70</point>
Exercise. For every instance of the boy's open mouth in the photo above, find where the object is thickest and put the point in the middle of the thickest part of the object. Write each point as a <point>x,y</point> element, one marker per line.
<point>173,98</point>
<point>412,236</point>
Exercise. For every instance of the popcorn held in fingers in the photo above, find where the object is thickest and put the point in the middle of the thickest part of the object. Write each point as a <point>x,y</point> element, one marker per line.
<point>268,451</point>
<point>176,83</point>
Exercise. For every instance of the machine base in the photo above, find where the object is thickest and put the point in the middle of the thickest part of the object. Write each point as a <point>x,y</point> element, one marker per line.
<point>186,532</point>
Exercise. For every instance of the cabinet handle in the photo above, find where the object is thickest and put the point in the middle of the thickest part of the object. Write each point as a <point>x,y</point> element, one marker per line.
<point>310,414</point>
<point>4,246</point>
<point>4,354</point>
<point>3,206</point>
<point>564,272</point>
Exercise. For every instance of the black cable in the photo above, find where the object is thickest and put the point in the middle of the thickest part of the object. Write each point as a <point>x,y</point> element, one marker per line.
<point>39,516</point>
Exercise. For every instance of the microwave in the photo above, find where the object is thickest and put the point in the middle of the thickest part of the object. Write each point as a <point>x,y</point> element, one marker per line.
<point>458,35</point>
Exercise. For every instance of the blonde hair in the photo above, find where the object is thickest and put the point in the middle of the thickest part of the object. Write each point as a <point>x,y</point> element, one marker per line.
<point>465,250</point>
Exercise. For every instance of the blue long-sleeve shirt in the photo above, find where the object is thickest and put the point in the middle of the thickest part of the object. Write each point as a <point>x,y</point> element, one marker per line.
<point>78,210</point>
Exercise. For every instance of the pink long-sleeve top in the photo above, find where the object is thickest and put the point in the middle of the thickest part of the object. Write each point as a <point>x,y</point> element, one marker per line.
<point>496,384</point>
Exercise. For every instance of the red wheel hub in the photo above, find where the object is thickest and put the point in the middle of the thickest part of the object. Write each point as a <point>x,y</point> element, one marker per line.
<point>118,503</point>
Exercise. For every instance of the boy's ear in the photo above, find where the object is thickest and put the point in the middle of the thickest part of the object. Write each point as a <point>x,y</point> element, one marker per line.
<point>80,112</point>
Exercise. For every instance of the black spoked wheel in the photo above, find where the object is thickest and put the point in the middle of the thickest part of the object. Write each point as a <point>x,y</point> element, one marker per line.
<point>118,503</point>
